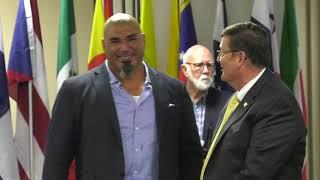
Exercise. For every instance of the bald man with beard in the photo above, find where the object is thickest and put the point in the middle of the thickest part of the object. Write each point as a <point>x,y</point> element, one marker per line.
<point>198,67</point>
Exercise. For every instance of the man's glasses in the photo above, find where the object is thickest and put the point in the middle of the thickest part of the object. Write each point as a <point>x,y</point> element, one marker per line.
<point>222,53</point>
<point>200,66</point>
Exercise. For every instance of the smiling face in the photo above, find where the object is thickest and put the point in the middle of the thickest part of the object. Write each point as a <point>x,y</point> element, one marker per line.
<point>124,46</point>
<point>228,61</point>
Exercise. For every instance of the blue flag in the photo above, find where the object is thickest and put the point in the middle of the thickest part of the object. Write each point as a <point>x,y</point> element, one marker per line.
<point>188,35</point>
<point>8,158</point>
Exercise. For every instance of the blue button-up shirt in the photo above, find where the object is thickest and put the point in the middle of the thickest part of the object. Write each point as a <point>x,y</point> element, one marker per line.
<point>199,109</point>
<point>138,129</point>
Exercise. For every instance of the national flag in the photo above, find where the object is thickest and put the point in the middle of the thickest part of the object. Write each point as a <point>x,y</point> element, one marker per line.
<point>8,154</point>
<point>28,87</point>
<point>262,14</point>
<point>147,27</point>
<point>67,65</point>
<point>102,11</point>
<point>221,21</point>
<point>174,39</point>
<point>188,36</point>
<point>291,72</point>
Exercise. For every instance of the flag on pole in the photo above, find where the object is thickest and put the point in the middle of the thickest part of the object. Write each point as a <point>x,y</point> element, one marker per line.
<point>28,87</point>
<point>291,72</point>
<point>221,21</point>
<point>188,36</point>
<point>147,27</point>
<point>262,14</point>
<point>8,154</point>
<point>102,11</point>
<point>174,39</point>
<point>67,65</point>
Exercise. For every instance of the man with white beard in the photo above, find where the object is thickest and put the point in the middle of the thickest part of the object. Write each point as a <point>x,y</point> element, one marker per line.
<point>198,67</point>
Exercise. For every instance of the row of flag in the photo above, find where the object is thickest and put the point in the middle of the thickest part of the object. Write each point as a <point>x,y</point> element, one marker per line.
<point>26,75</point>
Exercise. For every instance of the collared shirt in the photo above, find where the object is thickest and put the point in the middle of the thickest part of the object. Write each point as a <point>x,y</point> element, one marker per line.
<point>199,109</point>
<point>138,129</point>
<point>244,90</point>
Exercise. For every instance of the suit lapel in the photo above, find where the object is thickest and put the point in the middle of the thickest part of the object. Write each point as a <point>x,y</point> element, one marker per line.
<point>211,112</point>
<point>103,90</point>
<point>243,106</point>
<point>159,100</point>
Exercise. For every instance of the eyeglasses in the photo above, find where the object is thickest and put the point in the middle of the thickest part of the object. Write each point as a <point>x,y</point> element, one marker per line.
<point>222,53</point>
<point>200,66</point>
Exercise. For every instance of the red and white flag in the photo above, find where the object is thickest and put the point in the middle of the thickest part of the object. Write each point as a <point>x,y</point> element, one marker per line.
<point>28,87</point>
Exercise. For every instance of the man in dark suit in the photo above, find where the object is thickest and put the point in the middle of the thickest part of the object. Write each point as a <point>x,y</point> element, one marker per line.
<point>123,120</point>
<point>198,68</point>
<point>264,137</point>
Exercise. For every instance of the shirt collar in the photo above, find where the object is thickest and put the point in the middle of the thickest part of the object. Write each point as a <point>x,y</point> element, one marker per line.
<point>244,90</point>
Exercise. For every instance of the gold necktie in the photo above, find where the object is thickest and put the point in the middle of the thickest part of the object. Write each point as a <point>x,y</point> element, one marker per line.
<point>233,103</point>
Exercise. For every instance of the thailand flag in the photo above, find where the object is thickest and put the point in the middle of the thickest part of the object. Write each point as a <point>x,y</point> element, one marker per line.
<point>28,87</point>
<point>8,156</point>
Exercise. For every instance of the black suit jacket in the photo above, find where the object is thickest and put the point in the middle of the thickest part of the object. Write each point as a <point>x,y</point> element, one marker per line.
<point>215,101</point>
<point>85,126</point>
<point>264,138</point>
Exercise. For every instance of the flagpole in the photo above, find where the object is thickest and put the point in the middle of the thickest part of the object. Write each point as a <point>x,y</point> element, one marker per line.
<point>134,8</point>
<point>30,128</point>
<point>138,10</point>
<point>123,6</point>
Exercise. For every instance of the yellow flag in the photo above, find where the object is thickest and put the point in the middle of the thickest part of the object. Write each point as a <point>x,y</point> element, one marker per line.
<point>96,52</point>
<point>147,27</point>
<point>174,40</point>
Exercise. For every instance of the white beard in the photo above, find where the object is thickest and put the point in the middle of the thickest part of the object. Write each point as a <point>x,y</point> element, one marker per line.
<point>203,83</point>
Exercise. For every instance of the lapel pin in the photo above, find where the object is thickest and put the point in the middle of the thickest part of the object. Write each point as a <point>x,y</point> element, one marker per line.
<point>245,104</point>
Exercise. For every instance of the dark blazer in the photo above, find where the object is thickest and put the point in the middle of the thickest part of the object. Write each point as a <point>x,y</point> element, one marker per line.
<point>85,126</point>
<point>215,101</point>
<point>263,139</point>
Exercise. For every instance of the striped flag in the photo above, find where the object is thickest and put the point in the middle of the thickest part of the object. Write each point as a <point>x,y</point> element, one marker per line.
<point>67,51</point>
<point>174,39</point>
<point>147,27</point>
<point>188,35</point>
<point>103,10</point>
<point>262,14</point>
<point>221,21</point>
<point>291,72</point>
<point>28,87</point>
<point>8,156</point>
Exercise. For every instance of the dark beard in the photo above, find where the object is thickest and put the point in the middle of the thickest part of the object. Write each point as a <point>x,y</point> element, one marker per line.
<point>126,70</point>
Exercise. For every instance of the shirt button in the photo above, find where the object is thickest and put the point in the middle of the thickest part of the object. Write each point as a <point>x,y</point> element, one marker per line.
<point>137,149</point>
<point>137,128</point>
<point>135,172</point>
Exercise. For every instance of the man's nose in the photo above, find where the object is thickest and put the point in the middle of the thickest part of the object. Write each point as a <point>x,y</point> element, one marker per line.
<point>124,46</point>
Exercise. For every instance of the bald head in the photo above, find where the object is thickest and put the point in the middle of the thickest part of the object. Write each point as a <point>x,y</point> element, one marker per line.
<point>121,19</point>
<point>195,53</point>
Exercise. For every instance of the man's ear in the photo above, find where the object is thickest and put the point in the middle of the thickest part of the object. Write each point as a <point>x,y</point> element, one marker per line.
<point>184,70</point>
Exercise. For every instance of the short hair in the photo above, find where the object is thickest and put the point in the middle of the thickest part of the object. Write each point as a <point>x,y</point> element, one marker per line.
<point>251,38</point>
<point>121,18</point>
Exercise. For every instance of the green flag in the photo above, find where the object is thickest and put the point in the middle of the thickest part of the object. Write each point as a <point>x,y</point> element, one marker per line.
<point>291,72</point>
<point>289,62</point>
<point>67,52</point>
